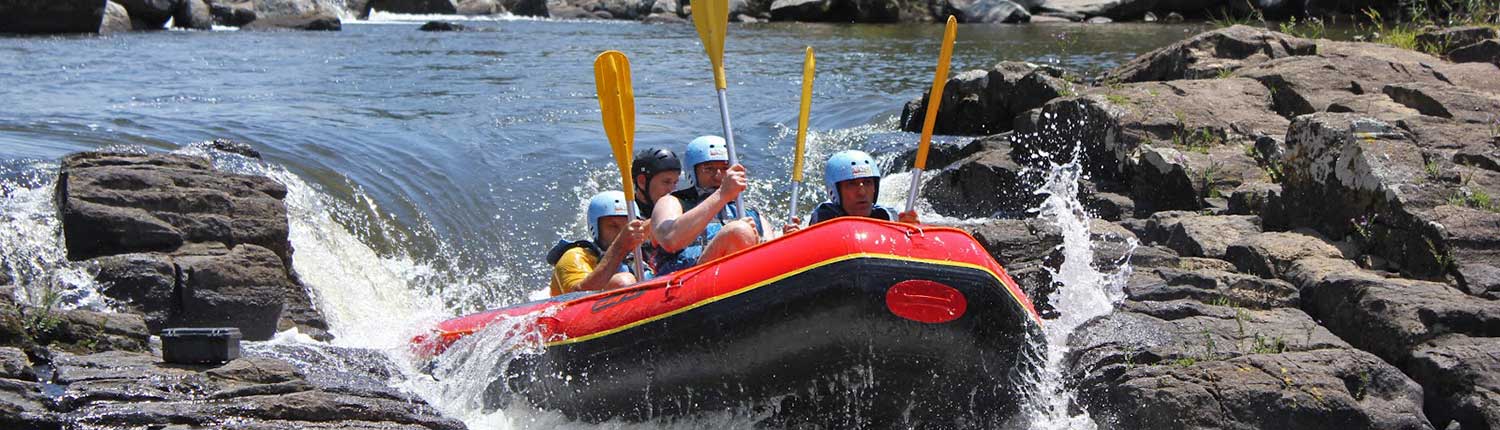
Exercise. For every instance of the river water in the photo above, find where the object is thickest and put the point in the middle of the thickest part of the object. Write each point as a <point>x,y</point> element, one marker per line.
<point>429,172</point>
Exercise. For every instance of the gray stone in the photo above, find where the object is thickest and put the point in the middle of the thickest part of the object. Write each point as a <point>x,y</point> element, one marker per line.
<point>1487,51</point>
<point>1201,236</point>
<point>1212,285</point>
<point>1253,198</point>
<point>1461,378</point>
<point>244,289</point>
<point>150,14</point>
<point>986,11</point>
<point>1271,254</point>
<point>978,103</point>
<point>236,13</point>
<point>50,17</point>
<point>22,406</point>
<point>319,22</point>
<point>415,6</point>
<point>15,365</point>
<point>1445,40</point>
<point>1310,83</point>
<point>800,10</point>
<point>1446,101</point>
<point>116,19</point>
<point>194,14</point>
<point>985,184</point>
<point>479,7</point>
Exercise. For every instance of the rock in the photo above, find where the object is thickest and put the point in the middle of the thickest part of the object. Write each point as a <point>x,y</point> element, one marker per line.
<point>415,6</point>
<point>1174,143</point>
<point>230,266</point>
<point>1047,19</point>
<point>1213,285</point>
<point>86,331</point>
<point>1174,17</point>
<point>442,26</point>
<point>259,370</point>
<point>116,19</point>
<point>479,7</point>
<point>162,200</point>
<point>1271,254</point>
<point>979,102</point>
<point>986,184</point>
<point>233,13</point>
<point>986,11</point>
<point>1375,105</point>
<point>1460,376</point>
<point>800,10</point>
<point>1344,168</point>
<point>664,18</point>
<point>310,23</point>
<point>1300,390</point>
<point>15,365</point>
<point>194,14</point>
<point>525,7</point>
<point>940,154</point>
<point>1388,317</point>
<point>229,146</point>
<point>1306,84</point>
<point>1211,54</point>
<point>243,289</point>
<point>22,406</point>
<point>1487,51</point>
<point>1123,9</point>
<point>1200,236</point>
<point>1253,198</point>
<point>1445,40</point>
<point>625,9</point>
<point>1098,20</point>
<point>150,14</point>
<point>1446,101</point>
<point>1070,16</point>
<point>51,17</point>
<point>1149,17</point>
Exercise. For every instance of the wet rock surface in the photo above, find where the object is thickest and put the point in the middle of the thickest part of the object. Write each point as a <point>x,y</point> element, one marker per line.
<point>1312,229</point>
<point>183,244</point>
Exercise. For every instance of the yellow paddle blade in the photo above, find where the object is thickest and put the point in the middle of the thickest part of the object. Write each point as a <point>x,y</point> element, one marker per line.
<point>617,103</point>
<point>935,96</point>
<point>807,82</point>
<point>712,19</point>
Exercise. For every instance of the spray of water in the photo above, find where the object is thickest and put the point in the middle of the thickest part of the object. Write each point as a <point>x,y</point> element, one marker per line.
<point>1084,292</point>
<point>34,256</point>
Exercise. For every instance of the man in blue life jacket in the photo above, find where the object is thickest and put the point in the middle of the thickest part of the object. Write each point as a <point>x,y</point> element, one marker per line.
<point>852,179</point>
<point>656,172</point>
<point>702,222</point>
<point>583,265</point>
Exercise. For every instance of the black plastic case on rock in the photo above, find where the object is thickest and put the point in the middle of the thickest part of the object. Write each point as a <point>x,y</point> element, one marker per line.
<point>200,345</point>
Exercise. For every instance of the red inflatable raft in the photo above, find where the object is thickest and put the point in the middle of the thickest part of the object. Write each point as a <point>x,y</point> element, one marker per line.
<point>853,321</point>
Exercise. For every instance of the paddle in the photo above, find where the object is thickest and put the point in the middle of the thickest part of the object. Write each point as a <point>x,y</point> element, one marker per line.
<point>711,17</point>
<point>807,82</point>
<point>617,104</point>
<point>934,98</point>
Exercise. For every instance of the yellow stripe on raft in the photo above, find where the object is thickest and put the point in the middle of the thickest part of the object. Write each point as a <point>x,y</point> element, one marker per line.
<point>709,300</point>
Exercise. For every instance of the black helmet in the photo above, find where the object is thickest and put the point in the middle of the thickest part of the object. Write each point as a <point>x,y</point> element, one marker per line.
<point>651,161</point>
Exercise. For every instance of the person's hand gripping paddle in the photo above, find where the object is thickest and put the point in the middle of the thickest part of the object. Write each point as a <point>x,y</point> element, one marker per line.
<point>711,17</point>
<point>934,98</point>
<point>617,103</point>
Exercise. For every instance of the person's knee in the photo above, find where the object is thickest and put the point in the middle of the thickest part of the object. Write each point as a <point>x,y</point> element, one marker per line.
<point>622,279</point>
<point>741,232</point>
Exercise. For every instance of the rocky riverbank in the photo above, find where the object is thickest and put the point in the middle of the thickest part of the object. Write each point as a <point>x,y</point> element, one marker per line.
<point>93,16</point>
<point>1319,224</point>
<point>176,243</point>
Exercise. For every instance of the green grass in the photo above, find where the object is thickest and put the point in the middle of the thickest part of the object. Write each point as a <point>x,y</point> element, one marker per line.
<point>1118,99</point>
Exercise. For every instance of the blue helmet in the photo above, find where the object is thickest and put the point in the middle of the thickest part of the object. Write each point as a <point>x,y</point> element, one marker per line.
<point>608,203</point>
<point>848,165</point>
<point>701,150</point>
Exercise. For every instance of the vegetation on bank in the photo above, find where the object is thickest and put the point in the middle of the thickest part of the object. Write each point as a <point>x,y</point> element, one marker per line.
<point>1401,31</point>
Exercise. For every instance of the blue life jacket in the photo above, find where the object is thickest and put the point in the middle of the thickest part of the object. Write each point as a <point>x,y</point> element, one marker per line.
<point>827,211</point>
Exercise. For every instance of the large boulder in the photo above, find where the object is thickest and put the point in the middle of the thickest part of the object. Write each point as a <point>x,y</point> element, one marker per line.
<point>415,6</point>
<point>1444,40</point>
<point>116,19</point>
<point>525,7</point>
<point>1209,285</point>
<point>234,13</point>
<point>1122,9</point>
<point>1193,235</point>
<point>1271,254</point>
<point>986,11</point>
<point>1310,83</point>
<point>184,244</point>
<point>51,16</point>
<point>985,184</point>
<point>1177,144</point>
<point>978,102</point>
<point>1398,193</point>
<point>194,14</point>
<point>150,14</point>
<point>479,7</point>
<point>318,22</point>
<point>1211,54</point>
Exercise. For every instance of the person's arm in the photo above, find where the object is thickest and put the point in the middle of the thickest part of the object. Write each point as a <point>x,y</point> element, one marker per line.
<point>675,229</point>
<point>609,264</point>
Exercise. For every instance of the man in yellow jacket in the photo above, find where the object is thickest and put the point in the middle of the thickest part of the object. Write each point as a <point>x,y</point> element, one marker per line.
<point>583,265</point>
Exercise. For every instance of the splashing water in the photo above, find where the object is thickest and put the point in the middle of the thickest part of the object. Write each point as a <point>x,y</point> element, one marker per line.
<point>34,256</point>
<point>1084,292</point>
